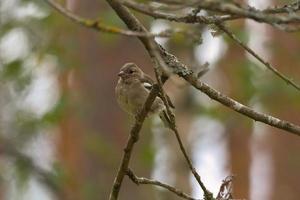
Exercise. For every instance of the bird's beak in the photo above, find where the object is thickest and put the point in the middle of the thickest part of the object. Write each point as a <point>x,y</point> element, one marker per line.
<point>121,73</point>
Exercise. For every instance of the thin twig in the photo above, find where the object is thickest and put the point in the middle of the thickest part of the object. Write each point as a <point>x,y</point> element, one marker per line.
<point>232,13</point>
<point>133,138</point>
<point>260,59</point>
<point>151,11</point>
<point>246,12</point>
<point>292,7</point>
<point>141,180</point>
<point>285,9</point>
<point>100,26</point>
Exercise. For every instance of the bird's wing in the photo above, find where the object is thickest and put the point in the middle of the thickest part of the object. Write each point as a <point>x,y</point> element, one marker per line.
<point>148,83</point>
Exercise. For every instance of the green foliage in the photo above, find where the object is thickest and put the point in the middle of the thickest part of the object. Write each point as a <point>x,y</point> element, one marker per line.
<point>245,74</point>
<point>56,114</point>
<point>90,190</point>
<point>100,147</point>
<point>147,155</point>
<point>23,171</point>
<point>59,175</point>
<point>186,35</point>
<point>12,70</point>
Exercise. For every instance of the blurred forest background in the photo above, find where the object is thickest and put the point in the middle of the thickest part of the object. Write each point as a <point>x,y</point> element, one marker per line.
<point>57,106</point>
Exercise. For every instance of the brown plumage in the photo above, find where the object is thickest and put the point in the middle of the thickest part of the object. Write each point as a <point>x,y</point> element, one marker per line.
<point>133,89</point>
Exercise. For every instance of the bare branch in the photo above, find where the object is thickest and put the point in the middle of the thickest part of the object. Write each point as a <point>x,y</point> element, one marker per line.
<point>260,59</point>
<point>142,180</point>
<point>100,26</point>
<point>292,7</point>
<point>231,11</point>
<point>246,11</point>
<point>190,18</point>
<point>181,70</point>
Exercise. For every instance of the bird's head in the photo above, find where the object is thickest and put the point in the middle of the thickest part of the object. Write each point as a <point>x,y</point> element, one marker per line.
<point>130,71</point>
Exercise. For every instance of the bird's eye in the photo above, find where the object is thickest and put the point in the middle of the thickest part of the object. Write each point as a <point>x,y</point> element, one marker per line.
<point>131,71</point>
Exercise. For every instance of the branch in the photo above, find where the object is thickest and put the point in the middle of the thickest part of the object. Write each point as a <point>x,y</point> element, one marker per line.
<point>288,8</point>
<point>133,138</point>
<point>142,180</point>
<point>153,12</point>
<point>263,15</point>
<point>246,12</point>
<point>231,11</point>
<point>249,50</point>
<point>292,7</point>
<point>99,26</point>
<point>181,70</point>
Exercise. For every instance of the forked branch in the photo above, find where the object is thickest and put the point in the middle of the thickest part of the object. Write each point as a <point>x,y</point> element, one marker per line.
<point>146,181</point>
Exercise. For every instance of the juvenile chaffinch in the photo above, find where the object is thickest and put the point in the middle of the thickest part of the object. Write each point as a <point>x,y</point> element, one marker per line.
<point>132,90</point>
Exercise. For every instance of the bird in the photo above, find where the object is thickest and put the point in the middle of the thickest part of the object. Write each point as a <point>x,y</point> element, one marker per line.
<point>132,91</point>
